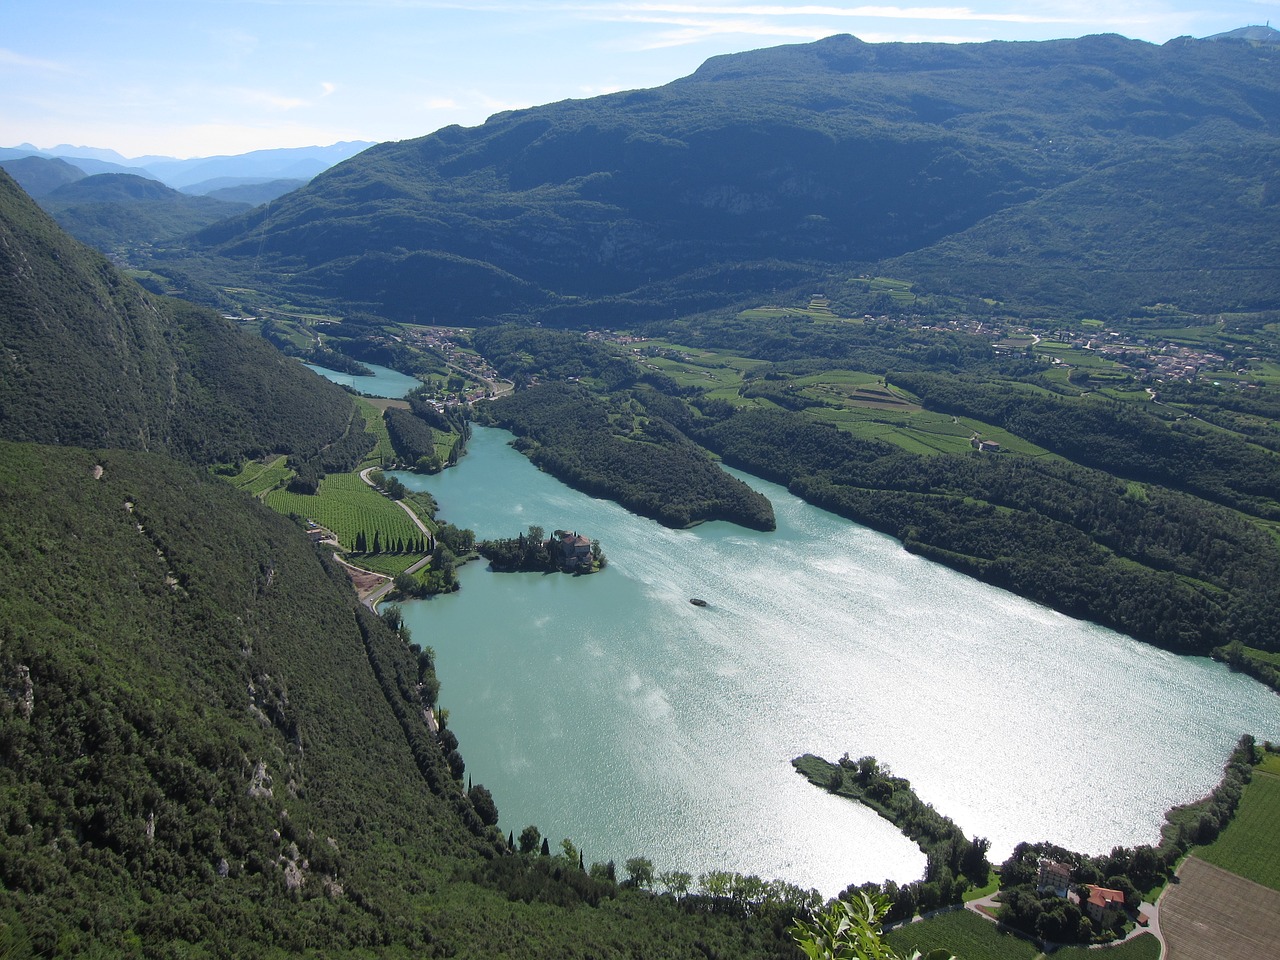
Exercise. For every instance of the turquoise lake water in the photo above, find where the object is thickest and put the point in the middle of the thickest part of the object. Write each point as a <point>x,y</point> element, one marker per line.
<point>385,382</point>
<point>610,710</point>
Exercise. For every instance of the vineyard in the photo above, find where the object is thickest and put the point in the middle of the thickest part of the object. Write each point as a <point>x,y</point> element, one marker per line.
<point>348,506</point>
<point>257,478</point>
<point>382,452</point>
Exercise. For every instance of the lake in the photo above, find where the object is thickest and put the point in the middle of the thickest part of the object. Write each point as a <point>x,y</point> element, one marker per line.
<point>384,382</point>
<point>610,710</point>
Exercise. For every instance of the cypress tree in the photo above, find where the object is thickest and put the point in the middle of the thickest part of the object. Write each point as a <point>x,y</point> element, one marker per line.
<point>377,541</point>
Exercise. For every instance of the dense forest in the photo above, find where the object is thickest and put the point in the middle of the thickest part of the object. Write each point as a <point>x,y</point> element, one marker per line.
<point>612,448</point>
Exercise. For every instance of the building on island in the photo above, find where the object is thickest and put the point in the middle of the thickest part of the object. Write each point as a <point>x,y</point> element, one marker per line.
<point>571,550</point>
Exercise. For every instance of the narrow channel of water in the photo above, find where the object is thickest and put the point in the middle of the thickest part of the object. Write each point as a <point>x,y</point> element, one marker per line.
<point>611,710</point>
<point>384,382</point>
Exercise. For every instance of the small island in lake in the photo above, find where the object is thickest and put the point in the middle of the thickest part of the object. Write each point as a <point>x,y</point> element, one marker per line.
<point>565,551</point>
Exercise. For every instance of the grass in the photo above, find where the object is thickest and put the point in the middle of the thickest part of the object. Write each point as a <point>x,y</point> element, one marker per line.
<point>988,888</point>
<point>1250,846</point>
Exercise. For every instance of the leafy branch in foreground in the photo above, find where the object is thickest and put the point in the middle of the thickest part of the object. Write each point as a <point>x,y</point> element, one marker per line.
<point>850,930</point>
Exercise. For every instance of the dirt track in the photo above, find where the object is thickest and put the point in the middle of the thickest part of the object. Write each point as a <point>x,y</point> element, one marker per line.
<point>1215,915</point>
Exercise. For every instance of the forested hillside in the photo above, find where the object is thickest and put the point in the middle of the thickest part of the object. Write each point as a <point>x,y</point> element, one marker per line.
<point>1098,174</point>
<point>120,211</point>
<point>92,360</point>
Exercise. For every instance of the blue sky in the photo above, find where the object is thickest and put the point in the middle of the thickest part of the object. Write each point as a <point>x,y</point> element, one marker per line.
<point>206,77</point>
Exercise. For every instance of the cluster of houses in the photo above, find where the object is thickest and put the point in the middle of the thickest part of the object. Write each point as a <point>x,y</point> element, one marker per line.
<point>438,340</point>
<point>1103,904</point>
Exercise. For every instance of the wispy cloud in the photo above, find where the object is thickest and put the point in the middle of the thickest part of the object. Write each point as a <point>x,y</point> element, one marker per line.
<point>9,58</point>
<point>688,23</point>
<point>268,99</point>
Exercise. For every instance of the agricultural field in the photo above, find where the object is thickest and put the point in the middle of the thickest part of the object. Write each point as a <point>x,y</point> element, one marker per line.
<point>720,372</point>
<point>970,937</point>
<point>1250,845</point>
<point>1142,947</point>
<point>858,402</point>
<point>898,290</point>
<point>382,452</point>
<point>966,935</point>
<point>348,506</point>
<point>1215,915</point>
<point>258,477</point>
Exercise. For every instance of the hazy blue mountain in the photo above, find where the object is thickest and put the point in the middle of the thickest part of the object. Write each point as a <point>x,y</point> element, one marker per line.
<point>1086,171</point>
<point>254,190</point>
<point>1254,34</point>
<point>41,175</point>
<point>299,163</point>
<point>291,163</point>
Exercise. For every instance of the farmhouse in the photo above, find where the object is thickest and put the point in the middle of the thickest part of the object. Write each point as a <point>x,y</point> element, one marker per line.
<point>1103,903</point>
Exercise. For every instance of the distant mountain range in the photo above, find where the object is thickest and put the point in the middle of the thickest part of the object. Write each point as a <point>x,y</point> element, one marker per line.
<point>124,206</point>
<point>1096,176</point>
<point>194,175</point>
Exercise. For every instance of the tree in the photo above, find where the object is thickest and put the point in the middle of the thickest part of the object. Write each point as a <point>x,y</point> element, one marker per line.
<point>570,851</point>
<point>530,837</point>
<point>482,800</point>
<point>640,872</point>
<point>676,881</point>
<point>850,930</point>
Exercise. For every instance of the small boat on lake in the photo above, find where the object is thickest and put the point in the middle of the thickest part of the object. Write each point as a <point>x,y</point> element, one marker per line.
<point>697,601</point>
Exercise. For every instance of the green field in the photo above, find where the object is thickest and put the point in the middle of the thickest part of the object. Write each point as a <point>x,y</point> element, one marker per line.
<point>858,402</point>
<point>1250,846</point>
<point>347,505</point>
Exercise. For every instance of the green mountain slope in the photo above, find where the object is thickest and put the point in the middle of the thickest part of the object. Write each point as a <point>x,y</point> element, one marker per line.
<point>114,211</point>
<point>805,159</point>
<point>196,746</point>
<point>41,175</point>
<point>92,360</point>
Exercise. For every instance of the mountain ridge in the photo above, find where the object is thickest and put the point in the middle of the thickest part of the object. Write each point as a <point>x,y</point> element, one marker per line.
<point>825,157</point>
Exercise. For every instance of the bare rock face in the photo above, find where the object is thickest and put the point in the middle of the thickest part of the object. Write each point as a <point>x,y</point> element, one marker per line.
<point>24,693</point>
<point>260,784</point>
<point>295,868</point>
